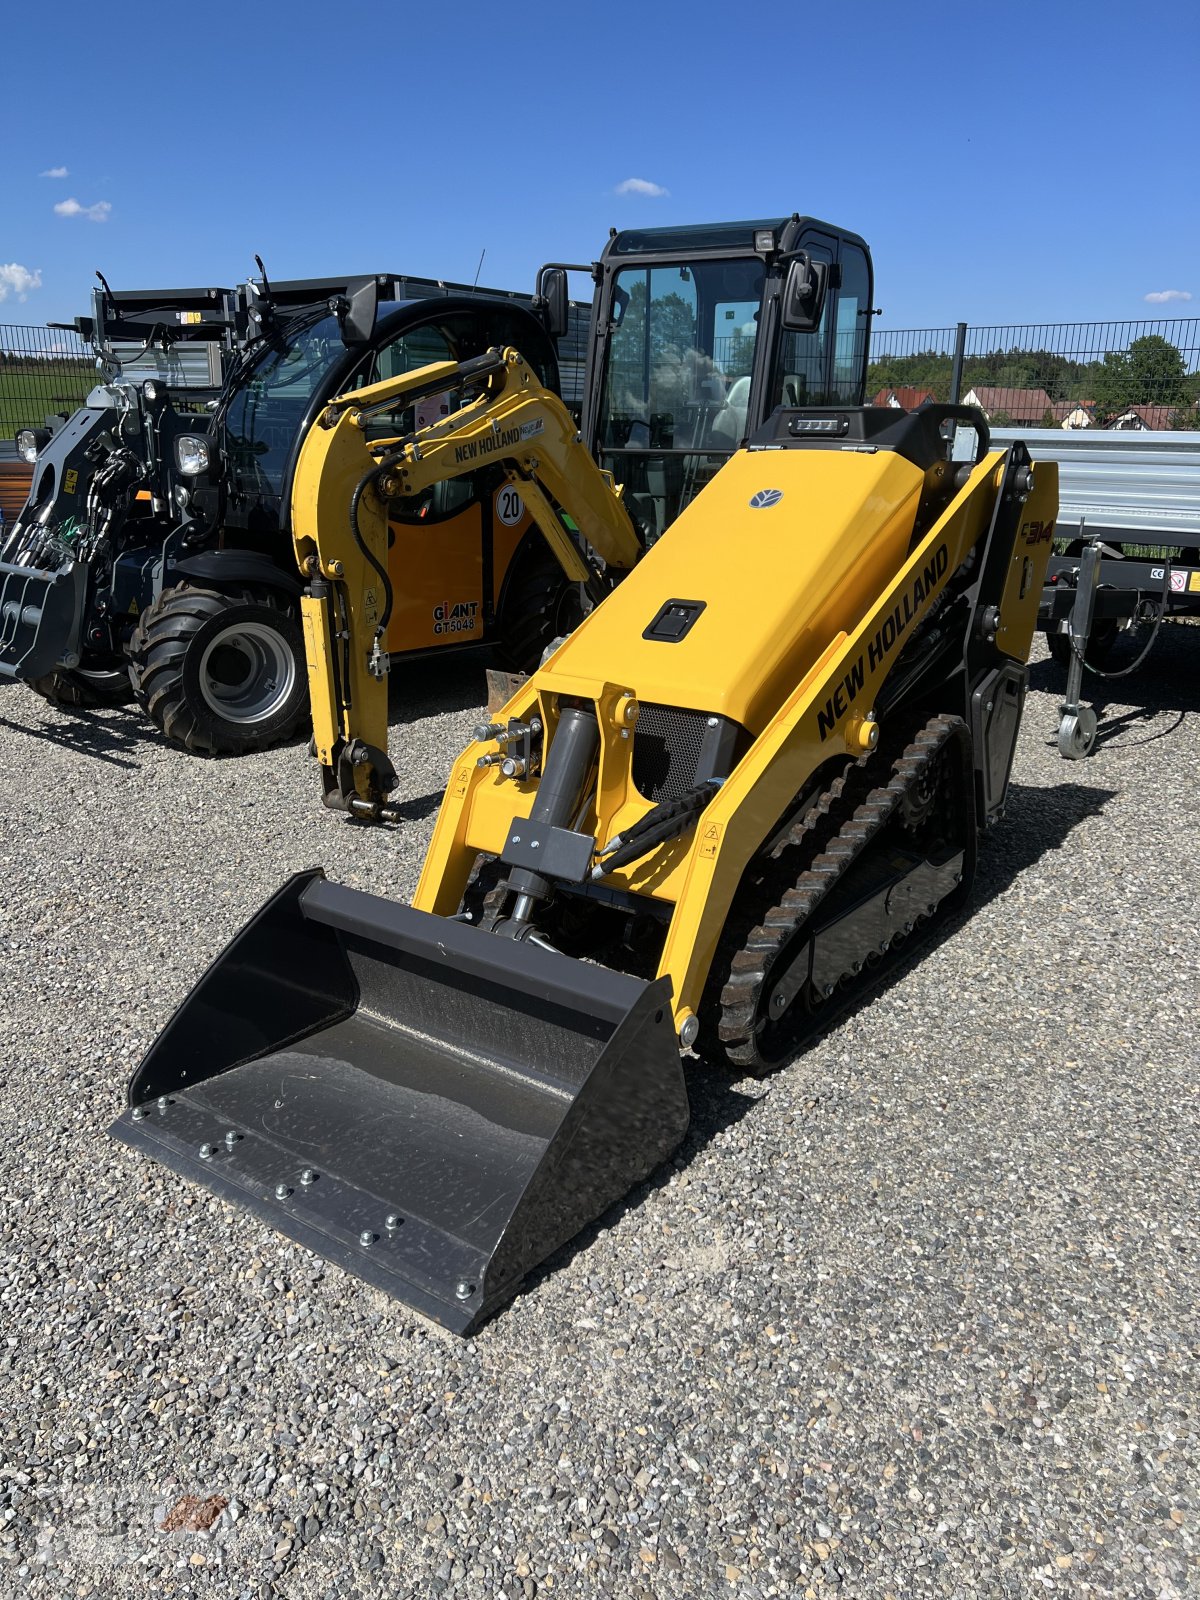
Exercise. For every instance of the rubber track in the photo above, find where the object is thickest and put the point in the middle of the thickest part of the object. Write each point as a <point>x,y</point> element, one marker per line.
<point>857,818</point>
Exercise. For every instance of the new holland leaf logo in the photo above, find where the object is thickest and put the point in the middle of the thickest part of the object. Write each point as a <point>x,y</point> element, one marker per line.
<point>765,498</point>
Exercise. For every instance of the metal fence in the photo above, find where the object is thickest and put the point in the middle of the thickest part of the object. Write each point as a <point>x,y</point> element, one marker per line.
<point>1137,376</point>
<point>43,372</point>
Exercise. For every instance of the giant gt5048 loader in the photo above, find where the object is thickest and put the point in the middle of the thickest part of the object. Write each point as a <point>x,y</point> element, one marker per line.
<point>153,558</point>
<point>738,794</point>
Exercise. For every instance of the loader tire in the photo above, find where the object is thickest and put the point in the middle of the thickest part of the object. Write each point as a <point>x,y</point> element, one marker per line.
<point>85,691</point>
<point>221,672</point>
<point>541,604</point>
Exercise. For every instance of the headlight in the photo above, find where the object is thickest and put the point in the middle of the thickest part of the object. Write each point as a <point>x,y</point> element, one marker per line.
<point>151,391</point>
<point>27,445</point>
<point>191,455</point>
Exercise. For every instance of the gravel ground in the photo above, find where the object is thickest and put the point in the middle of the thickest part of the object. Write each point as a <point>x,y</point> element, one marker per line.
<point>917,1318</point>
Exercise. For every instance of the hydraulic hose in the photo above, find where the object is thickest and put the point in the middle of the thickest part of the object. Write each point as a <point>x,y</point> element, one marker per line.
<point>1152,615</point>
<point>369,481</point>
<point>666,821</point>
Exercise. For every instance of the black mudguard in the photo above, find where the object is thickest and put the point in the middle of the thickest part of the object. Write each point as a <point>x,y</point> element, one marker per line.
<point>221,567</point>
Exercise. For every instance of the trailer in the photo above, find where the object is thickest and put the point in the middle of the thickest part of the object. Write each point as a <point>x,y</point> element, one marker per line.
<point>1126,550</point>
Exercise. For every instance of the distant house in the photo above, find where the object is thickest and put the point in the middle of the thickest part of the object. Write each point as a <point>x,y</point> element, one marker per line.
<point>1145,419</point>
<point>1023,407</point>
<point>1074,413</point>
<point>903,399</point>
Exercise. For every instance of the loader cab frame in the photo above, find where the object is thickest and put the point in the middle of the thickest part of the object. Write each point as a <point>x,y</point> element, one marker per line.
<point>293,373</point>
<point>689,351</point>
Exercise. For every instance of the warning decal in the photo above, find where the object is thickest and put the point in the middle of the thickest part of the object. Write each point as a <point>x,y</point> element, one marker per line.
<point>1194,582</point>
<point>1178,582</point>
<point>710,839</point>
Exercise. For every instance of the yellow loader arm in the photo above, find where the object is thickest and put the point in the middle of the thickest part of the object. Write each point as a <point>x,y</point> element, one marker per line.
<point>342,486</point>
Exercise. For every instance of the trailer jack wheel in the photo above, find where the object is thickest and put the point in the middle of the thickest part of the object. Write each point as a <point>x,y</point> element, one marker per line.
<point>1077,734</point>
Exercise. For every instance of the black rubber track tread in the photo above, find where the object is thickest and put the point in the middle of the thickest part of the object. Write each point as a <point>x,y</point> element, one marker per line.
<point>157,649</point>
<point>71,693</point>
<point>798,877</point>
<point>534,612</point>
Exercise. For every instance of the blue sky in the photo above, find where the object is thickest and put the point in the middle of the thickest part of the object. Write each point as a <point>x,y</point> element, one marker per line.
<point>1008,163</point>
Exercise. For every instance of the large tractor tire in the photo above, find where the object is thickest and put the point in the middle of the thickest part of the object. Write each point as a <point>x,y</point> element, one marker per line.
<point>221,672</point>
<point>85,690</point>
<point>541,604</point>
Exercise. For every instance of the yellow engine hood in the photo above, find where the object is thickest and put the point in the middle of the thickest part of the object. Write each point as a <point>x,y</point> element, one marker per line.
<point>780,574</point>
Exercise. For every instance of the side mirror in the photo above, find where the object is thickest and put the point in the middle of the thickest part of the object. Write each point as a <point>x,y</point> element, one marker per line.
<point>553,290</point>
<point>357,311</point>
<point>804,294</point>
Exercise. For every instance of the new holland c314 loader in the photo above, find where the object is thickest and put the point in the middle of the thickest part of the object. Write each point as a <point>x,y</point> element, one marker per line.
<point>736,796</point>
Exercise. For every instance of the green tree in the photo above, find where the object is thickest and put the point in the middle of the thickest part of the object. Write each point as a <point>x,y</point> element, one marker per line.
<point>926,369</point>
<point>1150,373</point>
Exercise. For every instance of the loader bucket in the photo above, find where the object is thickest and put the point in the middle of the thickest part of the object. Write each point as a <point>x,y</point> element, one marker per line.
<point>433,1107</point>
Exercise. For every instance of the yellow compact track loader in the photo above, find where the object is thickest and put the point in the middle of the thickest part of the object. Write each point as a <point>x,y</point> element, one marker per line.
<point>738,795</point>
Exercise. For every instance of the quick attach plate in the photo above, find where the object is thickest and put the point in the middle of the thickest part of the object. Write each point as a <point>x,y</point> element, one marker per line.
<point>552,852</point>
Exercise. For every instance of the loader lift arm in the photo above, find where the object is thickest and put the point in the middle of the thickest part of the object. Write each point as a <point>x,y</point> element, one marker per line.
<point>343,484</point>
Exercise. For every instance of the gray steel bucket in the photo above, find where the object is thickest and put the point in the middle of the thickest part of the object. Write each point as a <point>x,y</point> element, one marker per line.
<point>433,1107</point>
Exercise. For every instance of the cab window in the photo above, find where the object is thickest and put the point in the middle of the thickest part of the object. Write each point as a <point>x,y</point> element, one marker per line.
<point>684,341</point>
<point>677,380</point>
<point>418,347</point>
<point>850,336</point>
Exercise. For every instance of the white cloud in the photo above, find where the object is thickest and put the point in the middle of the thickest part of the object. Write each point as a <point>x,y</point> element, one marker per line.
<point>18,280</point>
<point>1162,297</point>
<point>641,186</point>
<point>72,208</point>
<point>54,172</point>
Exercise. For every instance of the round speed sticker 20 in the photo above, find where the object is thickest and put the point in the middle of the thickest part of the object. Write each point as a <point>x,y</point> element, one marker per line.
<point>510,508</point>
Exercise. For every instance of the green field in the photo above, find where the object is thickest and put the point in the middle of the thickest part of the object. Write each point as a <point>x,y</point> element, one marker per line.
<point>30,391</point>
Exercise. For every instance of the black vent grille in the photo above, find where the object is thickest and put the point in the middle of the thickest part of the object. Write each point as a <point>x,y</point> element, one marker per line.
<point>666,750</point>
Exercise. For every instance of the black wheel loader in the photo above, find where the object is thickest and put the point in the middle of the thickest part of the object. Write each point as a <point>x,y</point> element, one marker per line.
<point>153,558</point>
<point>745,789</point>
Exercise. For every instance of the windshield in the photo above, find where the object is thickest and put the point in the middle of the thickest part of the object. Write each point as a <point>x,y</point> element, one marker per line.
<point>677,379</point>
<point>265,412</point>
<point>682,354</point>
